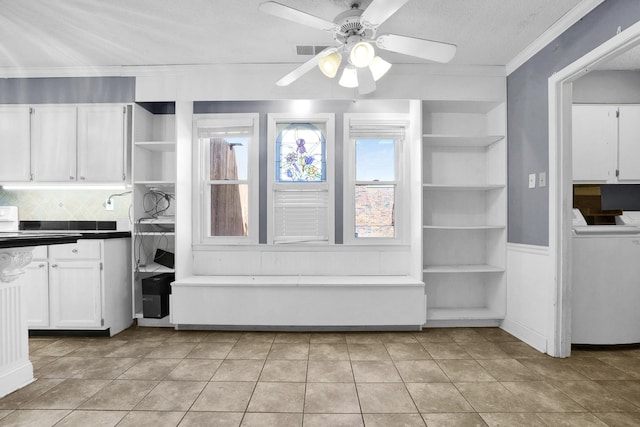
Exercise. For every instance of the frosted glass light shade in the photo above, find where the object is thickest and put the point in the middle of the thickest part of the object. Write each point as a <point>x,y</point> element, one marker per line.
<point>362,54</point>
<point>329,64</point>
<point>379,67</point>
<point>349,78</point>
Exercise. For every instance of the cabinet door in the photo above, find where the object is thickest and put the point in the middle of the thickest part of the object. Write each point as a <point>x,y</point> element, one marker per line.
<point>75,294</point>
<point>629,143</point>
<point>53,132</point>
<point>84,249</point>
<point>15,140</point>
<point>595,141</point>
<point>101,143</point>
<point>34,286</point>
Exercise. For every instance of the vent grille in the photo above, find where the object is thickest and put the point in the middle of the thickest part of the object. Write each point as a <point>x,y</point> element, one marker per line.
<point>309,50</point>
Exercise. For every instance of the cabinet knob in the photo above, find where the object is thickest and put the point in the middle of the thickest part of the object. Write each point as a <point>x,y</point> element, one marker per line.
<point>72,177</point>
<point>54,265</point>
<point>40,265</point>
<point>82,177</point>
<point>75,251</point>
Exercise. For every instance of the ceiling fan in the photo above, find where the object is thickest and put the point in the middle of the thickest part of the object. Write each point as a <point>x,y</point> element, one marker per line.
<point>355,34</point>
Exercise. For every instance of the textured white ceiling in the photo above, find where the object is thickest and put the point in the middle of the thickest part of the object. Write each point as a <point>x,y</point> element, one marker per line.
<point>57,33</point>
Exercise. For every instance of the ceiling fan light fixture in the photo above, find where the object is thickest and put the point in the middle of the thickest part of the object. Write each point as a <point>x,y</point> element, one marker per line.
<point>329,64</point>
<point>379,67</point>
<point>362,53</point>
<point>349,78</point>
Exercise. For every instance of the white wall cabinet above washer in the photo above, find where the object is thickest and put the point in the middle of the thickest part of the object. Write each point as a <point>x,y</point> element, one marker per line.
<point>606,143</point>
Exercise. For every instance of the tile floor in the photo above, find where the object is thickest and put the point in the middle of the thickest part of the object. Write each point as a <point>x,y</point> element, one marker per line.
<point>437,377</point>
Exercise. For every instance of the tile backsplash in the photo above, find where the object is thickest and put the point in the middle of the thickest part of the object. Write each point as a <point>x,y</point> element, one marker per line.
<point>67,205</point>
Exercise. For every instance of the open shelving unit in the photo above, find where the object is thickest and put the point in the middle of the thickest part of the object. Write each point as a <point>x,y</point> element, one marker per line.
<point>464,212</point>
<point>154,185</point>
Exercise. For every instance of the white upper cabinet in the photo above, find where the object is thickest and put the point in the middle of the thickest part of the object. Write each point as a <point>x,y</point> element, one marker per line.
<point>629,143</point>
<point>101,143</point>
<point>15,138</point>
<point>606,143</point>
<point>595,140</point>
<point>64,143</point>
<point>53,139</point>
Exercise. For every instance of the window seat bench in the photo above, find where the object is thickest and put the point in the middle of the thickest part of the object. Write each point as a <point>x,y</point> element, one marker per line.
<point>323,302</point>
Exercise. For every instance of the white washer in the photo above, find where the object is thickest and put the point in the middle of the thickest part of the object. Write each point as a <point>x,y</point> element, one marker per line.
<point>606,286</point>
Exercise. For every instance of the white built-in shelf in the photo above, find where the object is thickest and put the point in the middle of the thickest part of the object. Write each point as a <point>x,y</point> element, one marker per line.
<point>157,233</point>
<point>473,313</point>
<point>152,267</point>
<point>159,220</point>
<point>461,106</point>
<point>432,140</point>
<point>154,323</point>
<point>159,146</point>
<point>464,195</point>
<point>156,184</point>
<point>463,268</point>
<point>456,187</point>
<point>463,227</point>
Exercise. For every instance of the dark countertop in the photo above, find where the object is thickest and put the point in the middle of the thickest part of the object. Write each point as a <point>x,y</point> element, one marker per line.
<point>24,239</point>
<point>85,229</point>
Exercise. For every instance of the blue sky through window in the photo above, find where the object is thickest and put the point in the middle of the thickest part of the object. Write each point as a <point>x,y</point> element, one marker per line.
<point>375,160</point>
<point>241,147</point>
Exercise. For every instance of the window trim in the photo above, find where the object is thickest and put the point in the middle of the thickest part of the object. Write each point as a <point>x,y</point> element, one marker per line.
<point>201,183</point>
<point>402,167</point>
<point>328,119</point>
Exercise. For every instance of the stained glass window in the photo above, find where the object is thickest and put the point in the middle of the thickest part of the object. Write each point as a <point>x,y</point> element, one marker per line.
<point>300,152</point>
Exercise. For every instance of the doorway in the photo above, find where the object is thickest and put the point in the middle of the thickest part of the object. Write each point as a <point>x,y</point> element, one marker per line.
<point>560,174</point>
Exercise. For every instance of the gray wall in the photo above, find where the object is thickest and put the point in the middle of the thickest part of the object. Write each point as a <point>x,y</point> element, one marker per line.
<point>527,114</point>
<point>61,90</point>
<point>607,87</point>
<point>316,106</point>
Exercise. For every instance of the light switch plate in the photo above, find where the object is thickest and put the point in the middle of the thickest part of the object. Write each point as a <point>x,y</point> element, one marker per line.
<point>542,179</point>
<point>532,180</point>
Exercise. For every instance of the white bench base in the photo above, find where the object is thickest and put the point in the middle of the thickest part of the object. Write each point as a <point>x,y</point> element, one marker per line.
<point>299,301</point>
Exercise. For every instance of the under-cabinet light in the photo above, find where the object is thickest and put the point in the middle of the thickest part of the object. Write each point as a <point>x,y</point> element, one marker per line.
<point>65,187</point>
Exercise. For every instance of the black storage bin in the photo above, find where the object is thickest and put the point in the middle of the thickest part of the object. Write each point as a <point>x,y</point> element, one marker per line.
<point>155,295</point>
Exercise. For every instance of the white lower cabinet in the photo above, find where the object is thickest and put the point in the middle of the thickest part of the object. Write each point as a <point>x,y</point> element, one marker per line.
<point>75,299</point>
<point>35,289</point>
<point>80,286</point>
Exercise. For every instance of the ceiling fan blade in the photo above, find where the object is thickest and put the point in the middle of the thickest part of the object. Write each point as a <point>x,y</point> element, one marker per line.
<point>291,14</point>
<point>304,68</point>
<point>366,84</point>
<point>379,11</point>
<point>421,48</point>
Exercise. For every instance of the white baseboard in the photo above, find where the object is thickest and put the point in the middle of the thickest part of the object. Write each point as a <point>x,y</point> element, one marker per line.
<point>529,336</point>
<point>16,378</point>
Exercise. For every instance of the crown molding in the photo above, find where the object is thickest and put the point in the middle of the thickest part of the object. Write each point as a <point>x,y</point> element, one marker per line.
<point>155,70</point>
<point>559,27</point>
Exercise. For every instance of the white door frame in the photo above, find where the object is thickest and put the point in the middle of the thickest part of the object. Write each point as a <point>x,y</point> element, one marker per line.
<point>560,175</point>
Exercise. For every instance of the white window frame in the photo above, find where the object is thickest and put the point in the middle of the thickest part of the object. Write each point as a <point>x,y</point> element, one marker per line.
<point>272,185</point>
<point>402,170</point>
<point>202,183</point>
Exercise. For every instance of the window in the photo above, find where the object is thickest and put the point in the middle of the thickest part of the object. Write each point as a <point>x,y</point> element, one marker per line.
<point>226,171</point>
<point>374,179</point>
<point>300,187</point>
